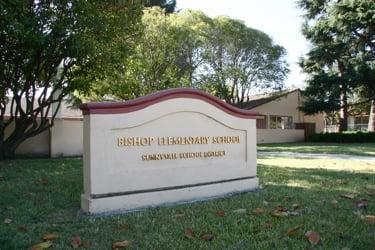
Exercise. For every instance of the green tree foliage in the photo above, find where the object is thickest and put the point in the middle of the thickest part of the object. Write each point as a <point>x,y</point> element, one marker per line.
<point>341,59</point>
<point>51,48</point>
<point>189,49</point>
<point>193,28</point>
<point>241,60</point>
<point>153,65</point>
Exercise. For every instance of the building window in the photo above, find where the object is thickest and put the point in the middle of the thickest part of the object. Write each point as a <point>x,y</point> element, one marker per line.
<point>261,122</point>
<point>281,122</point>
<point>360,123</point>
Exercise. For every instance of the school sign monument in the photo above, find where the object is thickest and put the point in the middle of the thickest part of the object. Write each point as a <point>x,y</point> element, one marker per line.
<point>174,146</point>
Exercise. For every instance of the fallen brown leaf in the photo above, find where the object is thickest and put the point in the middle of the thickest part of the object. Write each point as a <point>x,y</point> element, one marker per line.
<point>293,231</point>
<point>268,225</point>
<point>22,229</point>
<point>220,213</point>
<point>369,219</point>
<point>41,246</point>
<point>258,211</point>
<point>41,181</point>
<point>342,182</point>
<point>179,215</point>
<point>76,242</point>
<point>362,203</point>
<point>296,206</point>
<point>121,244</point>
<point>207,237</point>
<point>189,233</point>
<point>49,236</point>
<point>347,196</point>
<point>279,214</point>
<point>123,227</point>
<point>313,237</point>
<point>281,208</point>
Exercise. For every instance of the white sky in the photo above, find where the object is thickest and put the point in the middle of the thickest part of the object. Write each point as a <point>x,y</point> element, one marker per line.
<point>280,19</point>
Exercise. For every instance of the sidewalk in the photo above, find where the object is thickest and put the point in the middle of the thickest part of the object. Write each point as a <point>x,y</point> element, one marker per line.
<point>274,154</point>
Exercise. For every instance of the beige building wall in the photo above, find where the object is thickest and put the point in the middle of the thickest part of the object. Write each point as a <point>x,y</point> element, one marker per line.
<point>279,135</point>
<point>37,145</point>
<point>67,137</point>
<point>284,106</point>
<point>318,120</point>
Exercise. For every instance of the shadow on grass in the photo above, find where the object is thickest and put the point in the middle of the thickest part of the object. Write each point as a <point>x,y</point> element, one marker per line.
<point>43,196</point>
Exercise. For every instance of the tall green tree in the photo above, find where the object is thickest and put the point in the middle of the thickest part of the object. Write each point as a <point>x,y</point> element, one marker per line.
<point>192,28</point>
<point>51,48</point>
<point>153,65</point>
<point>241,60</point>
<point>190,49</point>
<point>356,21</point>
<point>341,59</point>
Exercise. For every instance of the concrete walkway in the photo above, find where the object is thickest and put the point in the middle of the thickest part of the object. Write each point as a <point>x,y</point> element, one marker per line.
<point>273,154</point>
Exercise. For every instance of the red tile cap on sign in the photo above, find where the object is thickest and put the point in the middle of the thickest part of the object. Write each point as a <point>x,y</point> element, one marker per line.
<point>145,101</point>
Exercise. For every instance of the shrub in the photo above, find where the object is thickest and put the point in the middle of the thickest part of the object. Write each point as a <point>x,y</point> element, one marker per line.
<point>343,137</point>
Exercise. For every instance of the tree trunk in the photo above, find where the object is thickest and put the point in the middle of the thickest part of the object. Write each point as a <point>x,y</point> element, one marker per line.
<point>9,145</point>
<point>5,150</point>
<point>371,121</point>
<point>2,135</point>
<point>343,120</point>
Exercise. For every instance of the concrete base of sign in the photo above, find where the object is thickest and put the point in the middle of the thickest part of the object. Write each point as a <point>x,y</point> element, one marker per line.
<point>153,198</point>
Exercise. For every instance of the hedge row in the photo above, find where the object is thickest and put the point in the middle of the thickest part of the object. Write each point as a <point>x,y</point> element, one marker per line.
<point>343,137</point>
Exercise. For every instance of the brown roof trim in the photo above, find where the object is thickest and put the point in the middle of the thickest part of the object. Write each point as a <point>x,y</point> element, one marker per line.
<point>145,101</point>
<point>259,102</point>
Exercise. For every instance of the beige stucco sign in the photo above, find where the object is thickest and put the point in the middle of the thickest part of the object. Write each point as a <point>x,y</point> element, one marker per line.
<point>177,145</point>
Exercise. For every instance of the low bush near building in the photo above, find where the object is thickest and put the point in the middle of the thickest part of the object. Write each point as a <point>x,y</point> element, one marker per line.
<point>343,137</point>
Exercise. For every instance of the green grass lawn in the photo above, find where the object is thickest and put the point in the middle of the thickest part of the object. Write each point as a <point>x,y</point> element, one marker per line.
<point>43,196</point>
<point>367,149</point>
